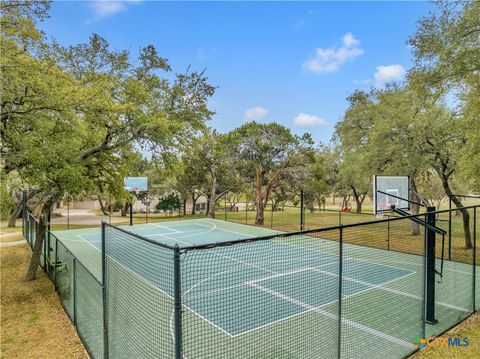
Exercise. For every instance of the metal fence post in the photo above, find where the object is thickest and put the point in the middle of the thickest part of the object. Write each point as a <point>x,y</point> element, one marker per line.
<point>474,255</point>
<point>449,227</point>
<point>430,275</point>
<point>131,213</point>
<point>104,295</point>
<point>388,235</point>
<point>24,212</point>
<point>55,264</point>
<point>68,213</point>
<point>178,302</point>
<point>246,212</point>
<point>271,215</point>
<point>225,206</point>
<point>46,240</point>
<point>424,282</point>
<point>302,219</point>
<point>340,284</point>
<point>74,270</point>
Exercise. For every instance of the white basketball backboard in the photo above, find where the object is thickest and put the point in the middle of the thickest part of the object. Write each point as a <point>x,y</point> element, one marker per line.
<point>390,190</point>
<point>136,184</point>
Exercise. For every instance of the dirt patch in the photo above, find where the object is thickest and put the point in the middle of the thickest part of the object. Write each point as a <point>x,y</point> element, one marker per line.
<point>6,237</point>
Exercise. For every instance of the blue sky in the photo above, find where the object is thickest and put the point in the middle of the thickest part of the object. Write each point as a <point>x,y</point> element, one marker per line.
<point>290,62</point>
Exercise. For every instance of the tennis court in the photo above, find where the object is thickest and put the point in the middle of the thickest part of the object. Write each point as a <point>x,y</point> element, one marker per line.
<point>282,294</point>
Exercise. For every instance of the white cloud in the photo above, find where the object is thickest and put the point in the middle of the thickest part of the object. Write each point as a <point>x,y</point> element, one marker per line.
<point>255,113</point>
<point>349,40</point>
<point>105,8</point>
<point>389,73</point>
<point>306,120</point>
<point>330,59</point>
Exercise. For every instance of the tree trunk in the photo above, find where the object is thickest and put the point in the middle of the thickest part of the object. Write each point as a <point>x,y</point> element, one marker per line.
<point>39,238</point>
<point>459,205</point>
<point>359,198</point>
<point>12,221</point>
<point>359,205</point>
<point>259,219</point>
<point>208,205</point>
<point>185,206</point>
<point>102,206</point>
<point>466,222</point>
<point>212,200</point>
<point>194,202</point>
<point>415,207</point>
<point>125,209</point>
<point>211,208</point>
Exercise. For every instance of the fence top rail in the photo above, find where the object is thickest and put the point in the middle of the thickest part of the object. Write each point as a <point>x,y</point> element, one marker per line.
<point>31,215</point>
<point>312,231</point>
<point>465,195</point>
<point>137,236</point>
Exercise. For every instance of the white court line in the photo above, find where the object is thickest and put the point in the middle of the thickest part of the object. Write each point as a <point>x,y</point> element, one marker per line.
<point>231,258</point>
<point>368,250</point>
<point>335,317</point>
<point>154,287</point>
<point>193,233</point>
<point>223,230</point>
<point>295,271</point>
<point>391,289</point>
<point>313,308</point>
<point>260,279</point>
<point>251,284</point>
<point>86,240</point>
<point>324,304</point>
<point>371,286</point>
<point>421,265</point>
<point>158,289</point>
<point>172,333</point>
<point>160,226</point>
<point>336,254</point>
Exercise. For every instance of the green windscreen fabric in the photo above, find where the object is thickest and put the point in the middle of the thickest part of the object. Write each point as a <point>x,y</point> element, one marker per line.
<point>265,299</point>
<point>139,288</point>
<point>89,309</point>
<point>64,278</point>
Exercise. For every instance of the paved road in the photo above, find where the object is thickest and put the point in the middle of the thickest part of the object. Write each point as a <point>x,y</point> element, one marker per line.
<point>84,217</point>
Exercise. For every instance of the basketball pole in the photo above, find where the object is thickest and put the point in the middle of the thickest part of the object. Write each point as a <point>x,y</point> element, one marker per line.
<point>131,213</point>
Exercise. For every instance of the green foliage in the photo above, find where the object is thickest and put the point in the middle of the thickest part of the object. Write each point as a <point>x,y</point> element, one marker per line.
<point>169,202</point>
<point>446,47</point>
<point>6,202</point>
<point>73,117</point>
<point>267,155</point>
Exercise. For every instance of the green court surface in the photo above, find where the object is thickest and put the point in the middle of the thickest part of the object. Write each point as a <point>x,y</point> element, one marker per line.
<point>274,298</point>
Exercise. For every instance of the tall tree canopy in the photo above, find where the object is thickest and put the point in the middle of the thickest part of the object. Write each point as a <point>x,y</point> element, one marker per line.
<point>267,153</point>
<point>71,116</point>
<point>446,48</point>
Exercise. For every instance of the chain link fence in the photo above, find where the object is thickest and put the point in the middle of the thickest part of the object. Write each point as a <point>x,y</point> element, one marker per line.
<point>344,291</point>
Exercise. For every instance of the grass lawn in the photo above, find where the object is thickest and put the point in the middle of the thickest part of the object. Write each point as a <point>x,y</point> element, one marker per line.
<point>33,323</point>
<point>394,236</point>
<point>470,328</point>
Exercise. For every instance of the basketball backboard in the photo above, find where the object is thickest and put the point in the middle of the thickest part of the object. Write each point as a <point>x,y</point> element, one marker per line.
<point>390,190</point>
<point>135,184</point>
